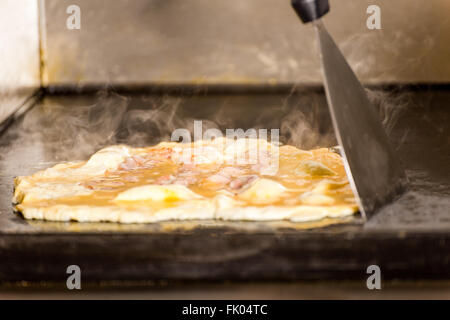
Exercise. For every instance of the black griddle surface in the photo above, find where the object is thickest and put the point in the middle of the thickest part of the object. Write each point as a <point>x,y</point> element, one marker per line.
<point>410,238</point>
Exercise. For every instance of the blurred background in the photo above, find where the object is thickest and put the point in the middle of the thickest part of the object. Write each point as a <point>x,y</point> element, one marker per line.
<point>252,42</point>
<point>241,44</point>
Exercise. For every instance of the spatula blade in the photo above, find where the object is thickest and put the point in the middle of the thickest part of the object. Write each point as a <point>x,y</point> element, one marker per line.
<point>373,168</point>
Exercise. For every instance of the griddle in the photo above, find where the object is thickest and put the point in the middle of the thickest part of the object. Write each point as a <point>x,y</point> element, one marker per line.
<point>407,239</point>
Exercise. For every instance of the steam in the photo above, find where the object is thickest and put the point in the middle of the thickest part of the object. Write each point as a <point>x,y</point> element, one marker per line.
<point>148,126</point>
<point>390,107</point>
<point>308,125</point>
<point>73,133</point>
<point>73,129</point>
<point>391,56</point>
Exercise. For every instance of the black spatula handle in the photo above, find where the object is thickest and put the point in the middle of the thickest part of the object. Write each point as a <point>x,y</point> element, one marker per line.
<point>310,10</point>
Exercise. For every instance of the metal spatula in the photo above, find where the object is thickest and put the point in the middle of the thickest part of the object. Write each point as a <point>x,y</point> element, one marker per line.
<point>373,169</point>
